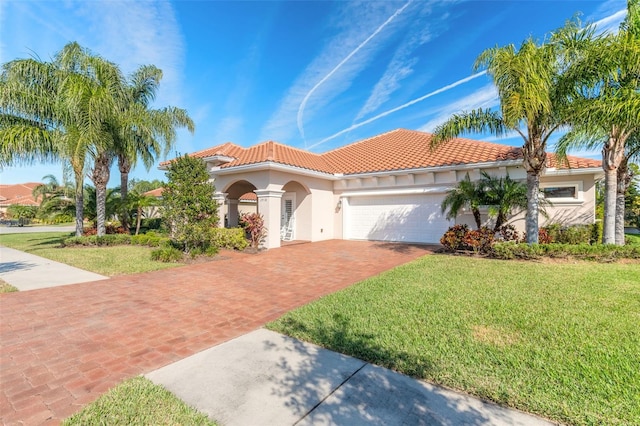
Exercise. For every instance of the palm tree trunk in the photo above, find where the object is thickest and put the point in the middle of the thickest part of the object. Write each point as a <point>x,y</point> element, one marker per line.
<point>610,190</point>
<point>100,177</point>
<point>79,195</point>
<point>477,217</point>
<point>533,206</point>
<point>138,220</point>
<point>624,180</point>
<point>124,165</point>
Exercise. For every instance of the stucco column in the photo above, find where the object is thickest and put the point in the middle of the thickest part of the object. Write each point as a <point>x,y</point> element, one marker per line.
<point>269,206</point>
<point>220,198</point>
<point>232,213</point>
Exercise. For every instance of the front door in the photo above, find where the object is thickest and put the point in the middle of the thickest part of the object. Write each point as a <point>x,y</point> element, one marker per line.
<point>287,220</point>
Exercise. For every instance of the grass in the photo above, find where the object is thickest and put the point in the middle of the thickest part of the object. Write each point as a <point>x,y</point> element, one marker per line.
<point>632,239</point>
<point>5,287</point>
<point>557,339</point>
<point>138,401</point>
<point>109,261</point>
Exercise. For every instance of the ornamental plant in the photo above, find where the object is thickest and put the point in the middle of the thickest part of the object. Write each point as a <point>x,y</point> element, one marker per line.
<point>253,225</point>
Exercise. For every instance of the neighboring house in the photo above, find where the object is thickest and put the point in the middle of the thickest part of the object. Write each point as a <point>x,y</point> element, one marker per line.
<point>19,194</point>
<point>388,188</point>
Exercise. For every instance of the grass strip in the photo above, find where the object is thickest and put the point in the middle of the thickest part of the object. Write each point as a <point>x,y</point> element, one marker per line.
<point>557,339</point>
<point>109,261</point>
<point>138,401</point>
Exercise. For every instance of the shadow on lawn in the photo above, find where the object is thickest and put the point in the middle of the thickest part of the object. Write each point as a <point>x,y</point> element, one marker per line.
<point>365,393</point>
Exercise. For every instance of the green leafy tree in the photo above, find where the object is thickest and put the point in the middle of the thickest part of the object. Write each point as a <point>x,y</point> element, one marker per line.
<point>531,98</point>
<point>504,196</point>
<point>58,110</point>
<point>605,72</point>
<point>189,209</point>
<point>56,205</point>
<point>111,204</point>
<point>145,133</point>
<point>465,194</point>
<point>139,203</point>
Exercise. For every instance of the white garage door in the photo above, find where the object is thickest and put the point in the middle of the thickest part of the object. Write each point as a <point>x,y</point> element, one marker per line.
<point>406,218</point>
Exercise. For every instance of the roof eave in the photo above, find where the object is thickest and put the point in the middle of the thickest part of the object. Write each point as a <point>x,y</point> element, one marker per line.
<point>272,165</point>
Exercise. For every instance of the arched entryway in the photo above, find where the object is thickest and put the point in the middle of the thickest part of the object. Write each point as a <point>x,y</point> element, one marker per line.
<point>239,198</point>
<point>295,216</point>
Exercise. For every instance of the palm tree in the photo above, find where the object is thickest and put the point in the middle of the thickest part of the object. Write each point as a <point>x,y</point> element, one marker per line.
<point>467,193</point>
<point>504,196</point>
<point>528,86</point>
<point>148,133</point>
<point>140,202</point>
<point>605,71</point>
<point>58,110</point>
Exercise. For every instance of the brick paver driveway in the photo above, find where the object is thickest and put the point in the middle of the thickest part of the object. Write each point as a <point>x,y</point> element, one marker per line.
<point>62,347</point>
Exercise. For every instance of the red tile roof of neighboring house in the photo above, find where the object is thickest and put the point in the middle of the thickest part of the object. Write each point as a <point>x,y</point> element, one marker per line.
<point>18,194</point>
<point>399,149</point>
<point>249,196</point>
<point>154,192</point>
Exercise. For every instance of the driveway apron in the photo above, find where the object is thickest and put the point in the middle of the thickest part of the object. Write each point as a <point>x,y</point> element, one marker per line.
<point>63,347</point>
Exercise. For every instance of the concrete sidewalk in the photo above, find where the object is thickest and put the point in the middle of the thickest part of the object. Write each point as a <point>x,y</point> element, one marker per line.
<point>26,271</point>
<point>265,378</point>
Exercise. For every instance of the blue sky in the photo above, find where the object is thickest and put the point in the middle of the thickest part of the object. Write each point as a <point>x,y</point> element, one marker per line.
<point>314,75</point>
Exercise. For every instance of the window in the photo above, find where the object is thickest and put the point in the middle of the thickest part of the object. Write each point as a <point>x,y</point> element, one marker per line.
<point>559,192</point>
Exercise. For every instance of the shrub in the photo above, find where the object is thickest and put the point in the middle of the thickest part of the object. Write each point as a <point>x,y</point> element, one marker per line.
<point>151,223</point>
<point>166,254</point>
<point>94,240</point>
<point>596,232</point>
<point>573,234</point>
<point>453,239</point>
<point>109,230</point>
<point>150,239</point>
<point>511,250</point>
<point>229,238</point>
<point>480,240</point>
<point>253,225</point>
<point>508,233</point>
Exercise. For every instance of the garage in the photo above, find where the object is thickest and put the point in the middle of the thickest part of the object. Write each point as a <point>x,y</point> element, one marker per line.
<point>414,218</point>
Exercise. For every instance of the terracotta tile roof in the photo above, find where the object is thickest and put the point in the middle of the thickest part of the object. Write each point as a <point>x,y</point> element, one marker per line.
<point>249,196</point>
<point>409,149</point>
<point>154,192</point>
<point>399,149</point>
<point>18,194</point>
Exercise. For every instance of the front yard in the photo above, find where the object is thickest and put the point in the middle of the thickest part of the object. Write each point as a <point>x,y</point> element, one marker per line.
<point>557,339</point>
<point>109,261</point>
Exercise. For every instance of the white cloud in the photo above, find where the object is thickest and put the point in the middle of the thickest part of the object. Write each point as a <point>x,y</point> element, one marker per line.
<point>611,23</point>
<point>485,97</point>
<point>399,108</point>
<point>331,72</point>
<point>400,67</point>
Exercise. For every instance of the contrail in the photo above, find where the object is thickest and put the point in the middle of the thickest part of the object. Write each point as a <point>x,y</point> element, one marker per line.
<point>391,111</point>
<point>303,104</point>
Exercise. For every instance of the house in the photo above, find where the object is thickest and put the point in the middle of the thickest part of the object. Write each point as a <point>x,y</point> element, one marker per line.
<point>247,203</point>
<point>388,187</point>
<point>20,194</point>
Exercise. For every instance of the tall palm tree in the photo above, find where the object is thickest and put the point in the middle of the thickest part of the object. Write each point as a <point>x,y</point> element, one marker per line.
<point>467,193</point>
<point>605,72</point>
<point>52,111</point>
<point>146,133</point>
<point>527,80</point>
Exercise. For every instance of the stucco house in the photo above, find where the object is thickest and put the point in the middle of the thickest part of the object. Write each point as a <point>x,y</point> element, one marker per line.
<point>388,187</point>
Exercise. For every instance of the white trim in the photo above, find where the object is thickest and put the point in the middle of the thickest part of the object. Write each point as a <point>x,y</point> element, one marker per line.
<point>579,191</point>
<point>571,172</point>
<point>270,165</point>
<point>273,193</point>
<point>431,190</point>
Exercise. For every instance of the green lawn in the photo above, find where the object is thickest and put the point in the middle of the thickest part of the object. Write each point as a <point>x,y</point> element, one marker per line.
<point>557,339</point>
<point>632,239</point>
<point>138,402</point>
<point>109,261</point>
<point>6,287</point>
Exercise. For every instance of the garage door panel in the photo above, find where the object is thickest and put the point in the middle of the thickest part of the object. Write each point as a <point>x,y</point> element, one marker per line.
<point>414,218</point>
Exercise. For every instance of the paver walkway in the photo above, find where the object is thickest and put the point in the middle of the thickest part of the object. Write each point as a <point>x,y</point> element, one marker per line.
<point>62,347</point>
